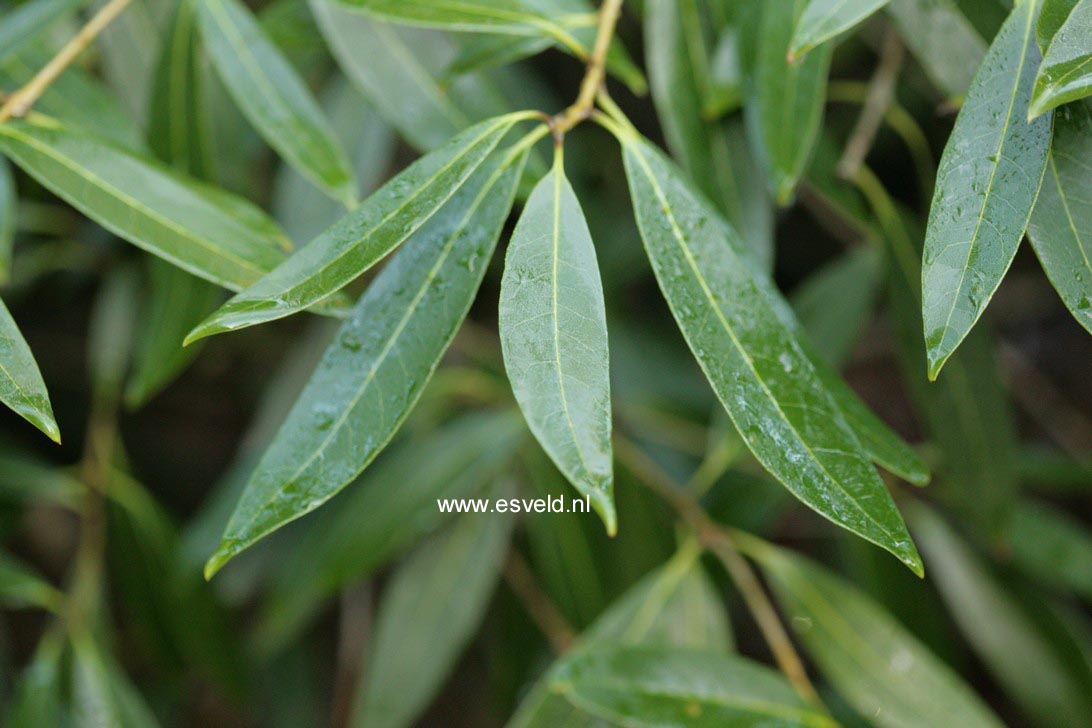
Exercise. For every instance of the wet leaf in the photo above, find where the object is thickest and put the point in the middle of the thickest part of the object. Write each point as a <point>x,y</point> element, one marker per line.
<point>375,370</point>
<point>987,182</point>
<point>553,331</point>
<point>1061,223</point>
<point>1052,15</point>
<point>21,385</point>
<point>825,19</point>
<point>877,664</point>
<point>431,608</point>
<point>754,361</point>
<point>200,229</point>
<point>274,98</point>
<point>1065,73</point>
<point>364,236</point>
<point>785,100</point>
<point>656,686</point>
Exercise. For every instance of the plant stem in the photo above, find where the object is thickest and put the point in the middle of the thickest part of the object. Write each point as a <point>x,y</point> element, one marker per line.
<point>19,103</point>
<point>881,94</point>
<point>544,613</point>
<point>721,544</point>
<point>593,75</point>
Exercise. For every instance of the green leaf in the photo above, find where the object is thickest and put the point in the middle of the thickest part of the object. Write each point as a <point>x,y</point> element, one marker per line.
<point>25,22</point>
<point>24,479</point>
<point>514,17</point>
<point>866,654</point>
<point>388,510</point>
<point>20,586</point>
<point>766,382</point>
<point>785,100</point>
<point>1015,652</point>
<point>553,330</point>
<point>363,237</point>
<point>129,47</point>
<point>1051,547</point>
<point>1052,15</point>
<point>987,182</point>
<point>725,92</point>
<point>942,40</point>
<point>824,19</point>
<point>373,374</point>
<point>21,385</point>
<point>274,98</point>
<point>38,697</point>
<point>1065,73</point>
<point>430,609</point>
<point>101,694</point>
<point>1061,223</point>
<point>658,686</point>
<point>200,229</point>
<point>8,203</point>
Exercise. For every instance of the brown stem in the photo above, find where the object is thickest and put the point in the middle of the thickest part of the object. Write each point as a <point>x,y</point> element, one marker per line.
<point>542,610</point>
<point>721,544</point>
<point>19,103</point>
<point>593,76</point>
<point>881,92</point>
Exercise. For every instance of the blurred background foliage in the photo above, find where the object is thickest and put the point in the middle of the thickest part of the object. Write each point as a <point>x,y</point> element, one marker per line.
<point>379,610</point>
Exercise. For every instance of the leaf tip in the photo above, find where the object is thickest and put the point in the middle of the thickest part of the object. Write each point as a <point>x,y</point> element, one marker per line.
<point>217,561</point>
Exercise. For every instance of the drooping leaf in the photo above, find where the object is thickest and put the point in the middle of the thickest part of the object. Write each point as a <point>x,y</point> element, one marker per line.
<point>7,218</point>
<point>1052,15</point>
<point>553,330</point>
<point>374,372</point>
<point>1051,547</point>
<point>871,659</point>
<point>21,385</point>
<point>942,40</point>
<point>1065,73</point>
<point>23,23</point>
<point>754,361</point>
<point>1061,223</point>
<point>785,100</point>
<point>987,182</point>
<point>388,510</point>
<point>20,586</point>
<point>363,237</point>
<point>200,229</point>
<point>1015,652</point>
<point>430,609</point>
<point>274,98</point>
<point>824,19</point>
<point>657,686</point>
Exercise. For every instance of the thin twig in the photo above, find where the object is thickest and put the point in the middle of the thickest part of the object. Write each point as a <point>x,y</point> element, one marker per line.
<point>19,103</point>
<point>881,93</point>
<point>354,632</point>
<point>718,541</point>
<point>542,610</point>
<point>594,74</point>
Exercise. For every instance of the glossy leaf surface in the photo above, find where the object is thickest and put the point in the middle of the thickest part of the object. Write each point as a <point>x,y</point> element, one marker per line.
<point>364,236</point>
<point>825,19</point>
<point>553,330</point>
<point>986,186</point>
<point>1065,73</point>
<point>373,373</point>
<point>21,385</point>
<point>754,361</point>
<point>1061,223</point>
<point>1052,15</point>
<point>273,97</point>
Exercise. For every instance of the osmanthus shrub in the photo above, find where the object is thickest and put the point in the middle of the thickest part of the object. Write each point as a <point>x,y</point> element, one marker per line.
<point>502,325</point>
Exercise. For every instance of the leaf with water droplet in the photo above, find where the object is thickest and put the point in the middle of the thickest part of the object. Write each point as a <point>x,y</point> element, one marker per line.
<point>880,667</point>
<point>359,396</point>
<point>986,186</point>
<point>553,330</point>
<point>1066,71</point>
<point>743,337</point>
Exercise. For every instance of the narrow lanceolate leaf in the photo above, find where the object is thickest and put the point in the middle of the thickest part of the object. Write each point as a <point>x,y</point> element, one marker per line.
<point>754,359</point>
<point>824,19</point>
<point>21,385</point>
<point>374,371</point>
<point>364,236</point>
<point>942,40</point>
<point>101,693</point>
<point>1066,71</point>
<point>273,97</point>
<point>1020,656</point>
<point>1052,15</point>
<point>1051,547</point>
<point>1061,223</point>
<point>7,218</point>
<point>430,609</point>
<point>38,697</point>
<point>25,22</point>
<point>786,99</point>
<point>988,179</point>
<point>513,17</point>
<point>659,686</point>
<point>553,330</point>
<point>203,230</point>
<point>871,659</point>
<point>20,586</point>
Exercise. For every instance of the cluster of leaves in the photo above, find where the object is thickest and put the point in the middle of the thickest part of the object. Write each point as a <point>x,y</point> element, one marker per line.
<point>163,141</point>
